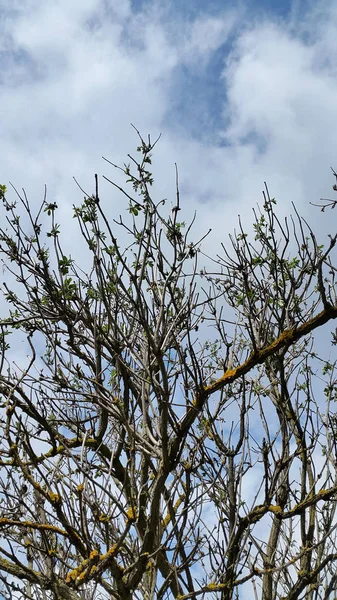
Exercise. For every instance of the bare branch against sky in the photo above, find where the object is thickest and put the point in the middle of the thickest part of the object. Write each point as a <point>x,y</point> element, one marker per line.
<point>170,430</point>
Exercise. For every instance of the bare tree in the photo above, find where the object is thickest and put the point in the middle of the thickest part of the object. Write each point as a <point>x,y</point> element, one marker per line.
<point>172,433</point>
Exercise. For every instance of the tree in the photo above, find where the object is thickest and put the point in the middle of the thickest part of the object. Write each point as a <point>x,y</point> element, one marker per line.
<point>172,433</point>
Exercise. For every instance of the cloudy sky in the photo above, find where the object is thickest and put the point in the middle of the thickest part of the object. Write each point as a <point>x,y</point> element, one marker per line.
<point>241,92</point>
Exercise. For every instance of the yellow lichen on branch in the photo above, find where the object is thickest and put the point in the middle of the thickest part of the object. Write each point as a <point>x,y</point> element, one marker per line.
<point>167,519</point>
<point>131,514</point>
<point>285,339</point>
<point>33,525</point>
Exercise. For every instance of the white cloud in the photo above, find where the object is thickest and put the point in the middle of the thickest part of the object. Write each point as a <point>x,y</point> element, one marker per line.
<point>205,36</point>
<point>277,93</point>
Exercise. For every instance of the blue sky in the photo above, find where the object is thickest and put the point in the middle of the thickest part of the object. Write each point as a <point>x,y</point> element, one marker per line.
<point>242,93</point>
